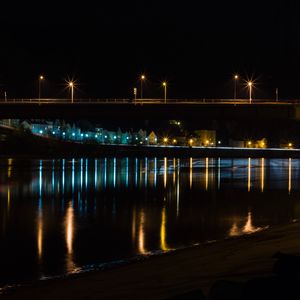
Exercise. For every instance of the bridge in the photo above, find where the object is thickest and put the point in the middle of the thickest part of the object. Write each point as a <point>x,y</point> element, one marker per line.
<point>160,109</point>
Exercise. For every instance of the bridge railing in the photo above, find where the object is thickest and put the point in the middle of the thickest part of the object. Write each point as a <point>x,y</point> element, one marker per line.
<point>147,101</point>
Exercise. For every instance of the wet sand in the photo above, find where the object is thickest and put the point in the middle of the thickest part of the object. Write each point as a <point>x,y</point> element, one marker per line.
<point>161,277</point>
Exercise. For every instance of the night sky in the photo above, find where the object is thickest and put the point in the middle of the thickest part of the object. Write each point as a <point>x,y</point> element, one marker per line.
<point>196,46</point>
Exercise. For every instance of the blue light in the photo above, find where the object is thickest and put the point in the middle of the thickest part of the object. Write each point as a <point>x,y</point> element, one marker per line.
<point>136,138</point>
<point>115,137</point>
<point>87,135</point>
<point>81,135</point>
<point>41,131</point>
<point>96,136</point>
<point>106,136</point>
<point>64,133</point>
<point>127,138</point>
<point>53,132</point>
<point>146,139</point>
<point>73,134</point>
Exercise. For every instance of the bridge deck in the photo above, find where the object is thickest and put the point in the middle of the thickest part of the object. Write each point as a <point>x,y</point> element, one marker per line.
<point>214,109</point>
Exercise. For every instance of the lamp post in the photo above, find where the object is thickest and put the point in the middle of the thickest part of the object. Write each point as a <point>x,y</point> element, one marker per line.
<point>71,86</point>
<point>134,93</point>
<point>143,77</point>
<point>41,78</point>
<point>236,78</point>
<point>250,85</point>
<point>165,91</point>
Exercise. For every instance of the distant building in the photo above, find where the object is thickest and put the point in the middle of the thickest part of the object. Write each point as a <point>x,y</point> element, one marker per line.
<point>286,144</point>
<point>256,143</point>
<point>10,122</point>
<point>206,138</point>
<point>42,128</point>
<point>152,138</point>
<point>237,143</point>
<point>62,130</point>
<point>249,143</point>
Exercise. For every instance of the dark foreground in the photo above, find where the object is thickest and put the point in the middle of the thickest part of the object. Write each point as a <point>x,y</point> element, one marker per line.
<point>179,272</point>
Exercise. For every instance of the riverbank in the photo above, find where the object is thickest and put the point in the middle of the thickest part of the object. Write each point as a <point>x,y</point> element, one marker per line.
<point>28,145</point>
<point>161,277</point>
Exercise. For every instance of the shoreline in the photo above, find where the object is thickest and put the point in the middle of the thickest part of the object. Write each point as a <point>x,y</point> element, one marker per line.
<point>33,146</point>
<point>176,272</point>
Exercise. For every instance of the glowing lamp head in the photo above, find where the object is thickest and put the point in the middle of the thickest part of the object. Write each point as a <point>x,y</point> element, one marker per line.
<point>236,77</point>
<point>290,144</point>
<point>164,83</point>
<point>143,77</point>
<point>249,143</point>
<point>250,83</point>
<point>165,140</point>
<point>41,77</point>
<point>71,84</point>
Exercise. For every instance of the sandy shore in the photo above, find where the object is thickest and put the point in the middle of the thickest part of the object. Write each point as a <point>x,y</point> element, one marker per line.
<point>181,271</point>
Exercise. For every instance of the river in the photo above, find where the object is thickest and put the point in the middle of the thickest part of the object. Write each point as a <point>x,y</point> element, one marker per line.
<point>66,216</point>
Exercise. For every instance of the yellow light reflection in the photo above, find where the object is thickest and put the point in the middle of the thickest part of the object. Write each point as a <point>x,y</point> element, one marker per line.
<point>249,174</point>
<point>262,174</point>
<point>249,228</point>
<point>69,223</point>
<point>206,173</point>
<point>9,168</point>
<point>165,171</point>
<point>234,230</point>
<point>141,234</point>
<point>290,176</point>
<point>191,173</point>
<point>8,199</point>
<point>163,234</point>
<point>69,236</point>
<point>40,233</point>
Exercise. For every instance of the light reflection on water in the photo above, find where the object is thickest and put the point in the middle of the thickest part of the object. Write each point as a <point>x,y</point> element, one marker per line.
<point>68,213</point>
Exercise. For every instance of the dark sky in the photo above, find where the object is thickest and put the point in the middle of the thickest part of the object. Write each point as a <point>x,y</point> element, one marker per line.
<point>195,45</point>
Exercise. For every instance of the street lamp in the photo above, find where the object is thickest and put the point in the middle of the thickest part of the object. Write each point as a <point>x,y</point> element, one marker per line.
<point>236,78</point>
<point>165,90</point>
<point>41,78</point>
<point>250,85</point>
<point>143,77</point>
<point>71,86</point>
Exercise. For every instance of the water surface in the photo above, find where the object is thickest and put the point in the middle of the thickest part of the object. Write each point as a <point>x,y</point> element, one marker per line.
<point>61,216</point>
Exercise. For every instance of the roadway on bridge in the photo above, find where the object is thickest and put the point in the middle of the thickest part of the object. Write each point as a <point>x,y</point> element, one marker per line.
<point>150,109</point>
